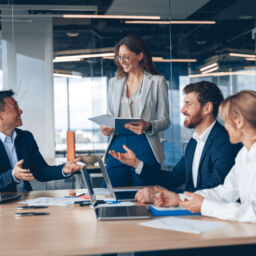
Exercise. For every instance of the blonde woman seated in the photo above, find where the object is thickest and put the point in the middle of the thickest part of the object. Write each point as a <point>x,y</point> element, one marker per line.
<point>239,113</point>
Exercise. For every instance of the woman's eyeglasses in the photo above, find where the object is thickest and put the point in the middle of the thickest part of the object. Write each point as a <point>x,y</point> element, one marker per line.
<point>124,59</point>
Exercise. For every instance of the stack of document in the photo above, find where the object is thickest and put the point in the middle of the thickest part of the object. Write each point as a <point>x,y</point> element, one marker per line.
<point>59,201</point>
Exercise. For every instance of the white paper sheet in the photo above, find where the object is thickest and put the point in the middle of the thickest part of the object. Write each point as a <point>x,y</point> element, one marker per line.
<point>116,204</point>
<point>104,120</point>
<point>59,201</point>
<point>187,225</point>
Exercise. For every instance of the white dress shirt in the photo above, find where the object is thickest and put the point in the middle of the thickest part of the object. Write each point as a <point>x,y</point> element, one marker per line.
<point>200,139</point>
<point>240,183</point>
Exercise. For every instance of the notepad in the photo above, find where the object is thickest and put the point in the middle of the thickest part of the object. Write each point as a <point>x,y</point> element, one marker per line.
<point>170,211</point>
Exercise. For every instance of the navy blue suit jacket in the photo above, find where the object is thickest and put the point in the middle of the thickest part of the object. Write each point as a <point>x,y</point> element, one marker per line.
<point>26,149</point>
<point>217,158</point>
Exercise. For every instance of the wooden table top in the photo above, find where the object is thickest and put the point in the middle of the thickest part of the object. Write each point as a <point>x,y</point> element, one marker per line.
<point>74,230</point>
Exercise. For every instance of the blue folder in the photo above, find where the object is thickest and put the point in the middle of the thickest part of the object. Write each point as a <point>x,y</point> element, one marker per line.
<point>170,212</point>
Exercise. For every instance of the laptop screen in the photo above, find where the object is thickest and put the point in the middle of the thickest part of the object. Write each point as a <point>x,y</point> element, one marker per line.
<point>106,178</point>
<point>86,178</point>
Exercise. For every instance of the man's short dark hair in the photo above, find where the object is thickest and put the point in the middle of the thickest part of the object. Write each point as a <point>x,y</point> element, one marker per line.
<point>207,92</point>
<point>3,95</point>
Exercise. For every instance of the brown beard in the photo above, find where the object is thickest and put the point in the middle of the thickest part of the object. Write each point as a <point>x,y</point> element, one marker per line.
<point>194,121</point>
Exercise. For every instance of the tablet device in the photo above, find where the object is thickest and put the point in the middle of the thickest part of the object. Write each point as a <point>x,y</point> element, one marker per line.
<point>120,123</point>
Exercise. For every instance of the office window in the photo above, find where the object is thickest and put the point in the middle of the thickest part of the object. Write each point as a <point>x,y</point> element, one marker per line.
<point>75,101</point>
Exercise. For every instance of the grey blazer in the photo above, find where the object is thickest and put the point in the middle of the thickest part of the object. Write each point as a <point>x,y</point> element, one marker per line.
<point>154,107</point>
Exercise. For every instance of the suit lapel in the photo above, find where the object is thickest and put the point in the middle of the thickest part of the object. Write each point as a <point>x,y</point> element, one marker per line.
<point>4,159</point>
<point>189,161</point>
<point>118,91</point>
<point>20,149</point>
<point>147,82</point>
<point>22,153</point>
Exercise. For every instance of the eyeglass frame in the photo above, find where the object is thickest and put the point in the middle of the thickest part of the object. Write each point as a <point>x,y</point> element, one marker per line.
<point>118,58</point>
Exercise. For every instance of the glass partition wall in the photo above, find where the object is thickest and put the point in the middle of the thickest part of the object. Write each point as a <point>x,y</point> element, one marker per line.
<point>58,58</point>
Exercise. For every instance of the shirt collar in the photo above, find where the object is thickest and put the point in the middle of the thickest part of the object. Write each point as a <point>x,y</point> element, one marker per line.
<point>252,152</point>
<point>203,137</point>
<point>4,136</point>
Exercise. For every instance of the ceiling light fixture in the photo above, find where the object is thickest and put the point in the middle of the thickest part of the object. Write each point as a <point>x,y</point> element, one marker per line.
<point>242,55</point>
<point>66,60</point>
<point>108,57</point>
<point>168,22</point>
<point>66,75</point>
<point>209,66</point>
<point>247,72</point>
<point>174,60</point>
<point>211,70</point>
<point>86,56</point>
<point>97,16</point>
<point>72,34</point>
<point>251,59</point>
<point>250,67</point>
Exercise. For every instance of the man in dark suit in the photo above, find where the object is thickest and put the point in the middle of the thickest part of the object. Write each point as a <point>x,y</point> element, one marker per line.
<point>20,159</point>
<point>208,157</point>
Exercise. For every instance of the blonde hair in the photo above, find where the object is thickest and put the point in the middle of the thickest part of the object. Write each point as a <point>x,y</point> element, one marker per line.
<point>242,104</point>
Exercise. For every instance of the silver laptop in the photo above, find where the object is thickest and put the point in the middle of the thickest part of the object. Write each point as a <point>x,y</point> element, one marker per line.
<point>113,212</point>
<point>120,195</point>
<point>6,197</point>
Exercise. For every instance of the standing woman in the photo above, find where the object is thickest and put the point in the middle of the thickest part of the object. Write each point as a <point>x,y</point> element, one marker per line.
<point>239,114</point>
<point>137,91</point>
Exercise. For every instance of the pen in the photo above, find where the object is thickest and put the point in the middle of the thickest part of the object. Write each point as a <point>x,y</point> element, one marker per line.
<point>81,202</point>
<point>31,213</point>
<point>84,203</point>
<point>31,207</point>
<point>82,194</point>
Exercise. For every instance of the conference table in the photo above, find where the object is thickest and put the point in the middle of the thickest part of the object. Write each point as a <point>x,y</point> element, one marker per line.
<point>74,230</point>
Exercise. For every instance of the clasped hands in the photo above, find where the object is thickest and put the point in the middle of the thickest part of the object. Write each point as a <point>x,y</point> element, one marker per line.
<point>165,198</point>
<point>24,174</point>
<point>137,127</point>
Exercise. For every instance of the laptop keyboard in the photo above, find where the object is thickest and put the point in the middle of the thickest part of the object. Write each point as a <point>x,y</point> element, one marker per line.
<point>122,211</point>
<point>115,211</point>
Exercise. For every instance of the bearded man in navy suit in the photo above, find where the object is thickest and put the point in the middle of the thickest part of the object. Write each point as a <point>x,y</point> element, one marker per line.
<point>208,157</point>
<point>20,159</point>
